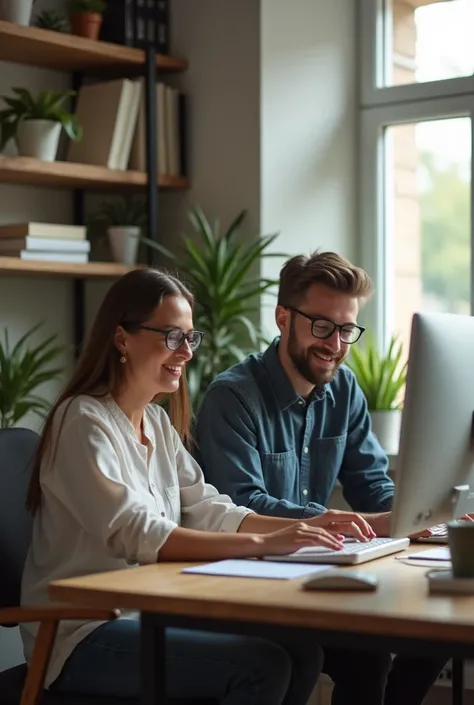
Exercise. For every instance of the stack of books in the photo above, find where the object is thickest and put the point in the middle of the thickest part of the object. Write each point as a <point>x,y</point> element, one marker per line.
<point>112,115</point>
<point>45,242</point>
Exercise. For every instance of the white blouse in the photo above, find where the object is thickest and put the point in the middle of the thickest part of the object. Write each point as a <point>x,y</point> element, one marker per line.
<point>110,503</point>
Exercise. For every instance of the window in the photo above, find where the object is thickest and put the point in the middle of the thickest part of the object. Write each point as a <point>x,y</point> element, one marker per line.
<point>427,40</point>
<point>416,162</point>
<point>427,192</point>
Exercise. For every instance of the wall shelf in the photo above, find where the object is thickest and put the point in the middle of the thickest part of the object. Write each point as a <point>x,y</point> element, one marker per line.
<point>66,52</point>
<point>14,266</point>
<point>33,172</point>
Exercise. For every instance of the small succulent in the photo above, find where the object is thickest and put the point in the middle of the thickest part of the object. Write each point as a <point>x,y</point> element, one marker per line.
<point>53,20</point>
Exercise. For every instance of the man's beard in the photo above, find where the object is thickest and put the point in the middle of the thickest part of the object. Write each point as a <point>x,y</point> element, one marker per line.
<point>301,360</point>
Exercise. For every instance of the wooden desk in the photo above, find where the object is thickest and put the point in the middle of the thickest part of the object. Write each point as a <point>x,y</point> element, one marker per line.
<point>400,616</point>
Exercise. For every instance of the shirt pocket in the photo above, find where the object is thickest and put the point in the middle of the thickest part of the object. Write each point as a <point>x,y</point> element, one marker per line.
<point>281,472</point>
<point>173,503</point>
<point>327,455</point>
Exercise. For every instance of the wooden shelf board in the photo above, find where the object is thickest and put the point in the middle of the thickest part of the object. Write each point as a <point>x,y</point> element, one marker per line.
<point>33,172</point>
<point>66,52</point>
<point>91,270</point>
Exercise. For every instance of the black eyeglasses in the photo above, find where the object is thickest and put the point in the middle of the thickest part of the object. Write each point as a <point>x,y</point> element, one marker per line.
<point>175,337</point>
<point>321,327</point>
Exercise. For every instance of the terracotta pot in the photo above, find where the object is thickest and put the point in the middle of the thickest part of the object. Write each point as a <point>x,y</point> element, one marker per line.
<point>86,24</point>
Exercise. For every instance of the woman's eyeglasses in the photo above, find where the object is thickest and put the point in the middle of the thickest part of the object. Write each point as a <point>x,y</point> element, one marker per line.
<point>175,337</point>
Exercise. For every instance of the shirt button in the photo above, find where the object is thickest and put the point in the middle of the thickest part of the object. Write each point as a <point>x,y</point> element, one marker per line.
<point>163,514</point>
<point>305,492</point>
<point>301,402</point>
<point>306,449</point>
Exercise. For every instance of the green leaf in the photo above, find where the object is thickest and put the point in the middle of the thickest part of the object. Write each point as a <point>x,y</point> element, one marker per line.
<point>23,369</point>
<point>381,376</point>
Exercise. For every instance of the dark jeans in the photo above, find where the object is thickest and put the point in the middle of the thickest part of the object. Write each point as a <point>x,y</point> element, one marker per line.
<point>235,670</point>
<point>373,678</point>
<point>239,670</point>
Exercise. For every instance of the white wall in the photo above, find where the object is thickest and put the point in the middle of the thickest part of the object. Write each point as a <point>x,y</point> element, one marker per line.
<point>308,129</point>
<point>222,42</point>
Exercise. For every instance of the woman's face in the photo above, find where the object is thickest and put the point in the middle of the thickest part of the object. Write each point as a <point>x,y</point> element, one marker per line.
<point>150,364</point>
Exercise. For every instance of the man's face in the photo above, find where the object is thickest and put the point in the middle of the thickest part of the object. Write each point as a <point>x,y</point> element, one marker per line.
<point>315,359</point>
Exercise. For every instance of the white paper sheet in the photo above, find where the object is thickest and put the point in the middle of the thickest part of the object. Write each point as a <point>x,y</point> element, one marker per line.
<point>238,568</point>
<point>440,553</point>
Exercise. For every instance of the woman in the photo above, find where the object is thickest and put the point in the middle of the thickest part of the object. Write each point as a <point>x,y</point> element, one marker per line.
<point>114,487</point>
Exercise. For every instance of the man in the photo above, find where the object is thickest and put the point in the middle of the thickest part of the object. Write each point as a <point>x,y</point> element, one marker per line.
<point>277,431</point>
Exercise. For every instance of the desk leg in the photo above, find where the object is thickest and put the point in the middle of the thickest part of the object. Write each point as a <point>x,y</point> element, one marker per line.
<point>458,681</point>
<point>153,661</point>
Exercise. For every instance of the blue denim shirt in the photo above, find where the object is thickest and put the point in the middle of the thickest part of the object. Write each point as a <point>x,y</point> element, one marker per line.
<point>279,454</point>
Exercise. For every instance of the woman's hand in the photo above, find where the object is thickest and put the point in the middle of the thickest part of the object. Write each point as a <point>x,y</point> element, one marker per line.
<point>348,523</point>
<point>295,536</point>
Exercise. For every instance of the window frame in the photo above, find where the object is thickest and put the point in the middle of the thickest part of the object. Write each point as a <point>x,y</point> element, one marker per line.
<point>380,108</point>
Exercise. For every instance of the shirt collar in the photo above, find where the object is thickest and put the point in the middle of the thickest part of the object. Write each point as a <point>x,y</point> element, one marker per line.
<point>284,390</point>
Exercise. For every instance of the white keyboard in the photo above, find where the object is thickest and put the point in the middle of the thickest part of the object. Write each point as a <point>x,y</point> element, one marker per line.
<point>352,552</point>
<point>439,534</point>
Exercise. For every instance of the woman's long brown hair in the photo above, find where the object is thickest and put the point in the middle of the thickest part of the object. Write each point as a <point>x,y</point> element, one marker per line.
<point>129,302</point>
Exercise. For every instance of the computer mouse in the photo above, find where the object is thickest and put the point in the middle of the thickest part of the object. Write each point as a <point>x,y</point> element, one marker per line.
<point>340,579</point>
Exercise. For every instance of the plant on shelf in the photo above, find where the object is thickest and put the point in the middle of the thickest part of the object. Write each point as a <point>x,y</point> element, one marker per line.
<point>16,11</point>
<point>23,368</point>
<point>36,123</point>
<point>382,378</point>
<point>220,268</point>
<point>124,221</point>
<point>86,17</point>
<point>52,20</point>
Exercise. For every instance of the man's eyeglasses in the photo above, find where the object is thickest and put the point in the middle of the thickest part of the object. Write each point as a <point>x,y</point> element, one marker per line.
<point>349,333</point>
<point>175,337</point>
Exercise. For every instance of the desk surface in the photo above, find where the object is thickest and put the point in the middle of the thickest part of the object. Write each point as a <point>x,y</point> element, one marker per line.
<point>401,605</point>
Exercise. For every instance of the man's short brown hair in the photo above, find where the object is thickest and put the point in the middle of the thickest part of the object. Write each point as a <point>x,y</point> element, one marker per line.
<point>328,268</point>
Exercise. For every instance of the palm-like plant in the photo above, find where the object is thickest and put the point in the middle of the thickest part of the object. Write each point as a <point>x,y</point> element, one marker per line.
<point>381,376</point>
<point>220,270</point>
<point>23,369</point>
<point>46,106</point>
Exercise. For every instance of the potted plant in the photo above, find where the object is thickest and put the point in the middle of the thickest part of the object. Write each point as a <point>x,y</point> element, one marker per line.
<point>220,269</point>
<point>23,368</point>
<point>36,124</point>
<point>382,378</point>
<point>16,11</point>
<point>124,220</point>
<point>86,17</point>
<point>53,20</point>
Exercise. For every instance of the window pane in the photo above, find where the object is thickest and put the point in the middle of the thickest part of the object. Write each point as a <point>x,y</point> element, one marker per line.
<point>428,40</point>
<point>428,243</point>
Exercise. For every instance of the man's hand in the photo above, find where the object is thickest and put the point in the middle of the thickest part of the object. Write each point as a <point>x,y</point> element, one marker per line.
<point>348,523</point>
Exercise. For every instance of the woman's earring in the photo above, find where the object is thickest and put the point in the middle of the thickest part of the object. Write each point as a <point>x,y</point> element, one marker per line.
<point>123,359</point>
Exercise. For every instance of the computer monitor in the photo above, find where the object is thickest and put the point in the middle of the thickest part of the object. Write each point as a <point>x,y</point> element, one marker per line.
<point>434,472</point>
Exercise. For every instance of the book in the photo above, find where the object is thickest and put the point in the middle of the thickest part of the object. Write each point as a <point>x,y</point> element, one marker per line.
<point>43,244</point>
<point>138,150</point>
<point>72,257</point>
<point>49,230</point>
<point>105,111</point>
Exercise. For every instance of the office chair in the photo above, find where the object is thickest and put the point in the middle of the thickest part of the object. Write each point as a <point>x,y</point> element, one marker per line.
<point>21,685</point>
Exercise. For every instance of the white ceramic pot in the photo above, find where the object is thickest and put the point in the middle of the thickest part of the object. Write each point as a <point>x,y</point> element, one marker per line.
<point>386,426</point>
<point>38,138</point>
<point>124,243</point>
<point>17,11</point>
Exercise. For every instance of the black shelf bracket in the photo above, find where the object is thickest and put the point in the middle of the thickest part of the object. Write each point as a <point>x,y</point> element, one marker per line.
<point>151,129</point>
<point>78,290</point>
